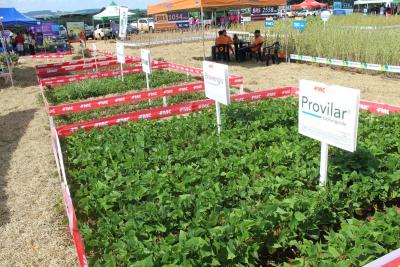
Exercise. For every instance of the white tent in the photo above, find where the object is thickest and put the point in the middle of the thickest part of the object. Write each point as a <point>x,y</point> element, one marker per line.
<point>110,13</point>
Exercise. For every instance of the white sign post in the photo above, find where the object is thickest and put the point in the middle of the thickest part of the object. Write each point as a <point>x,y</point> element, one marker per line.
<point>81,43</point>
<point>121,57</point>
<point>123,22</point>
<point>94,48</point>
<point>146,67</point>
<point>329,114</point>
<point>6,54</point>
<point>325,15</point>
<point>216,85</point>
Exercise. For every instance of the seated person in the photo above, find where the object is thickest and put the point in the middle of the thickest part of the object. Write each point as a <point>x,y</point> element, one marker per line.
<point>230,41</point>
<point>221,40</point>
<point>254,47</point>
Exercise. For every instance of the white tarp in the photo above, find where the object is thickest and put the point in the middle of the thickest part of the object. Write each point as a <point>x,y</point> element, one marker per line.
<point>111,12</point>
<point>367,2</point>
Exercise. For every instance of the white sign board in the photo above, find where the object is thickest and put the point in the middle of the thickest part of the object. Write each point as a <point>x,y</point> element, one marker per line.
<point>216,82</point>
<point>120,53</point>
<point>246,19</point>
<point>325,15</point>
<point>146,60</point>
<point>329,114</point>
<point>123,21</point>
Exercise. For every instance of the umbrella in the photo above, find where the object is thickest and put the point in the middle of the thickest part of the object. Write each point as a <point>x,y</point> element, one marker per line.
<point>309,4</point>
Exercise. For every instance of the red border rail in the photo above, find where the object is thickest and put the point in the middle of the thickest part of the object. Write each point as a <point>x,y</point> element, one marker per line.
<point>74,62</point>
<point>51,55</point>
<point>54,81</point>
<point>124,99</point>
<point>169,111</point>
<point>89,66</point>
<point>69,207</point>
<point>161,113</point>
<point>373,107</point>
<point>128,98</point>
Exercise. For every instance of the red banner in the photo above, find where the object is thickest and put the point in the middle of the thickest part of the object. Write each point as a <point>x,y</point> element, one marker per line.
<point>54,81</point>
<point>51,55</point>
<point>373,107</point>
<point>163,112</point>
<point>90,66</point>
<point>74,62</point>
<point>68,204</point>
<point>124,99</point>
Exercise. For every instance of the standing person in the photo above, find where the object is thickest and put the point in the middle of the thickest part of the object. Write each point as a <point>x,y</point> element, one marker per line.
<point>382,11</point>
<point>32,44</point>
<point>82,37</point>
<point>191,23</point>
<point>19,41</point>
<point>197,23</point>
<point>113,29</point>
<point>222,22</point>
<point>226,19</point>
<point>231,19</point>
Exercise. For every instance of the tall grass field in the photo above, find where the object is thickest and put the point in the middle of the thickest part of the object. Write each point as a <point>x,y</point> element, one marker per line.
<point>369,39</point>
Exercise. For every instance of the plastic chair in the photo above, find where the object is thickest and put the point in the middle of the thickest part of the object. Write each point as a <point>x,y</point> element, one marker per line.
<point>271,53</point>
<point>222,52</point>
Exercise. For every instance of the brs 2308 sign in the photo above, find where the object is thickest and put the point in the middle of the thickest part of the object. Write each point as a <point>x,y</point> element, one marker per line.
<point>171,21</point>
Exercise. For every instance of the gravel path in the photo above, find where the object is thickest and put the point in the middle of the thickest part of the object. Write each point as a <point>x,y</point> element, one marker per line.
<point>32,228</point>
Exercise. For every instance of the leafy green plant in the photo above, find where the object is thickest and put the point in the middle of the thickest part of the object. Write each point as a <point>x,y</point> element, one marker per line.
<point>13,57</point>
<point>174,193</point>
<point>356,243</point>
<point>123,109</point>
<point>102,87</point>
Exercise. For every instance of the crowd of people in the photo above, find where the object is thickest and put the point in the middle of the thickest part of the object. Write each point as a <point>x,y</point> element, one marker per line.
<point>235,46</point>
<point>21,43</point>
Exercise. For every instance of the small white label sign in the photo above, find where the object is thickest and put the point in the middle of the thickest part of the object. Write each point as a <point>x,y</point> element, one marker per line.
<point>120,53</point>
<point>329,114</point>
<point>325,15</point>
<point>146,60</point>
<point>216,82</point>
<point>123,21</point>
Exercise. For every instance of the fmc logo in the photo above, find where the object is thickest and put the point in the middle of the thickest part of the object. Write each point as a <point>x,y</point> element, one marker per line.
<point>319,89</point>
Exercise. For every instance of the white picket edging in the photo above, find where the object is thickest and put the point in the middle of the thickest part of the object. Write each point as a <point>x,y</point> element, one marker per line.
<point>346,63</point>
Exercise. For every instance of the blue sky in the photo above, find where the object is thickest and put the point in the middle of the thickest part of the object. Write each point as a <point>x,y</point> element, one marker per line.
<point>71,5</point>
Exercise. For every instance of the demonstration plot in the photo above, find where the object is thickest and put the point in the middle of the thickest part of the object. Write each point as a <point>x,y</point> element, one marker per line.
<point>125,108</point>
<point>95,88</point>
<point>174,192</point>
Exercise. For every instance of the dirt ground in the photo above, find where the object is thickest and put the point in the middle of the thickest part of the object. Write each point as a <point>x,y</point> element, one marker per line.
<point>33,231</point>
<point>374,86</point>
<point>32,223</point>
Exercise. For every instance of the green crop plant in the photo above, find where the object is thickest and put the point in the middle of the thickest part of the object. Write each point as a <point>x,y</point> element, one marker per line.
<point>369,39</point>
<point>101,87</point>
<point>174,193</point>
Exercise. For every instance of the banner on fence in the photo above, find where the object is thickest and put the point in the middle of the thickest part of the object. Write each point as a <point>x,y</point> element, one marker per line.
<point>169,111</point>
<point>347,63</point>
<point>123,21</point>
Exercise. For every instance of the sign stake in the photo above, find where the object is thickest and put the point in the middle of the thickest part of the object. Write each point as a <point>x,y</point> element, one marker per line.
<point>122,72</point>
<point>218,110</point>
<point>323,171</point>
<point>148,84</point>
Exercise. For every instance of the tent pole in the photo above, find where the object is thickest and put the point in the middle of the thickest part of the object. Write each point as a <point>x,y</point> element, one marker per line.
<point>203,29</point>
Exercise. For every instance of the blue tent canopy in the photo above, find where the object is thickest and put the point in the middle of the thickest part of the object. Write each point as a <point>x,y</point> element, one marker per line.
<point>11,17</point>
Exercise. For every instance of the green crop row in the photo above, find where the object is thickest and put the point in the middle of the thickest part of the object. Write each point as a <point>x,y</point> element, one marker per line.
<point>174,193</point>
<point>101,87</point>
<point>126,108</point>
<point>356,38</point>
